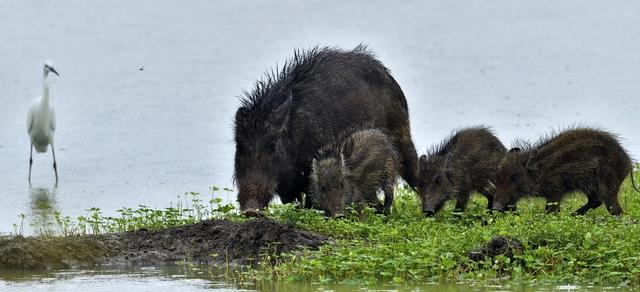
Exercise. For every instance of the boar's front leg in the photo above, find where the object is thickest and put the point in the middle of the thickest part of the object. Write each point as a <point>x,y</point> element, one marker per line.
<point>373,201</point>
<point>462,198</point>
<point>489,195</point>
<point>388,198</point>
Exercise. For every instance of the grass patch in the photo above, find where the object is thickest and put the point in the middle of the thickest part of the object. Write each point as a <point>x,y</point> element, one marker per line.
<point>405,247</point>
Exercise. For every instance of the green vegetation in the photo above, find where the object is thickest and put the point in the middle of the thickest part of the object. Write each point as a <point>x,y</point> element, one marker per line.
<point>189,209</point>
<point>407,248</point>
<point>596,248</point>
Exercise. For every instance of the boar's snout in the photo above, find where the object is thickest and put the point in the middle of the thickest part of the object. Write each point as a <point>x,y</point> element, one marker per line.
<point>253,213</point>
<point>498,207</point>
<point>252,209</point>
<point>255,193</point>
<point>337,215</point>
<point>427,208</point>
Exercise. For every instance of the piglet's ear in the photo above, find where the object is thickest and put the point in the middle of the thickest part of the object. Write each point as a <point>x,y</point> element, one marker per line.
<point>448,167</point>
<point>447,161</point>
<point>422,162</point>
<point>449,175</point>
<point>514,150</point>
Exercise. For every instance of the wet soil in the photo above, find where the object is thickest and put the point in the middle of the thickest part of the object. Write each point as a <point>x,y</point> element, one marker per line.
<point>219,241</point>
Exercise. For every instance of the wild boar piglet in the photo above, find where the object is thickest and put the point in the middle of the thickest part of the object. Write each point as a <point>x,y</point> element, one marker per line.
<point>352,170</point>
<point>587,160</point>
<point>467,161</point>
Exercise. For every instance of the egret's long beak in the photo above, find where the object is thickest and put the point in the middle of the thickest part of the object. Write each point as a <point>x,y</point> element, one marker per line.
<point>54,71</point>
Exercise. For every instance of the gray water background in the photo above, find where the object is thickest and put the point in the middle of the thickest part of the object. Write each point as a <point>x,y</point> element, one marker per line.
<point>127,137</point>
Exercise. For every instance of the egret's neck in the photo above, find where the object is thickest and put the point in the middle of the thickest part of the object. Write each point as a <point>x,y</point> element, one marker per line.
<point>45,87</point>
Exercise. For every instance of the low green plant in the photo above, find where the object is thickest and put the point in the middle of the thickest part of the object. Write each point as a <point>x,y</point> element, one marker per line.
<point>406,247</point>
<point>191,208</point>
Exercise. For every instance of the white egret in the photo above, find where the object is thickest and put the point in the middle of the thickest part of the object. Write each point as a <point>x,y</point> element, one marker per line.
<point>41,121</point>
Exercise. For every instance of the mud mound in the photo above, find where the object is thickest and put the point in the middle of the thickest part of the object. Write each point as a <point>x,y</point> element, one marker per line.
<point>271,237</point>
<point>498,245</point>
<point>220,241</point>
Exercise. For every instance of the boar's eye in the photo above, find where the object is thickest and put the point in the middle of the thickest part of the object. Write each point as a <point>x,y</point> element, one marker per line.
<point>438,180</point>
<point>515,177</point>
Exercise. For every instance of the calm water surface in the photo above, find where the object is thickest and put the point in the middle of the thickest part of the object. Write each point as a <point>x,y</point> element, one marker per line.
<point>135,279</point>
<point>128,137</point>
<point>175,279</point>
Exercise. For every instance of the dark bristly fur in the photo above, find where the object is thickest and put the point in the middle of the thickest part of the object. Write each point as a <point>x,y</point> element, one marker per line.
<point>288,116</point>
<point>352,170</point>
<point>465,162</point>
<point>582,159</point>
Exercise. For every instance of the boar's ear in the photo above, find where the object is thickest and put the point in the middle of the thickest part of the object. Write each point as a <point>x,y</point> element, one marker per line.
<point>314,165</point>
<point>531,165</point>
<point>240,114</point>
<point>514,150</point>
<point>283,112</point>
<point>343,164</point>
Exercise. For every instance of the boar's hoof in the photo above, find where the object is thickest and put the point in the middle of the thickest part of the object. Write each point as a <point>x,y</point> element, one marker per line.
<point>429,213</point>
<point>253,213</point>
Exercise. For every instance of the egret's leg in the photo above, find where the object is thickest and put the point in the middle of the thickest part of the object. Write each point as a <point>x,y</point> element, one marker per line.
<point>55,167</point>
<point>30,162</point>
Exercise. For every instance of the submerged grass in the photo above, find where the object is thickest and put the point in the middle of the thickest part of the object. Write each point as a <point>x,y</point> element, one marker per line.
<point>405,247</point>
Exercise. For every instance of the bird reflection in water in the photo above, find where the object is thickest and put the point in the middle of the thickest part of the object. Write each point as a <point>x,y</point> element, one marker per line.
<point>43,208</point>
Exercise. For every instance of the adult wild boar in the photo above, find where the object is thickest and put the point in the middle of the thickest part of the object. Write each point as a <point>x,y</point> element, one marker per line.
<point>465,162</point>
<point>288,116</point>
<point>580,159</point>
<point>352,170</point>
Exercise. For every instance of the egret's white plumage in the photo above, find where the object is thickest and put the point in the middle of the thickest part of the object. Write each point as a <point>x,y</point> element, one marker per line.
<point>41,121</point>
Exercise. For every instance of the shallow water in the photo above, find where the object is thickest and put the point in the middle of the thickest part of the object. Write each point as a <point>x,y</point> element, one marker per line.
<point>138,279</point>
<point>174,278</point>
<point>127,136</point>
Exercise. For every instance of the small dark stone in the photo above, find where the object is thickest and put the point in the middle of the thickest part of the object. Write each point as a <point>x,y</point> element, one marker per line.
<point>498,245</point>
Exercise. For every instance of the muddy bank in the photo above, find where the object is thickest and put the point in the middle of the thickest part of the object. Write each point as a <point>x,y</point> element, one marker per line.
<point>220,241</point>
